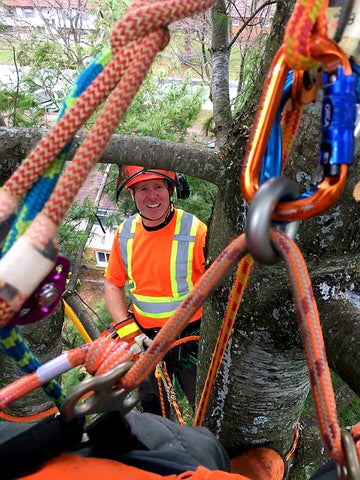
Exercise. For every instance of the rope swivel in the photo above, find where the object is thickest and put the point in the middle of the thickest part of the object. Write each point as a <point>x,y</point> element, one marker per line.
<point>259,218</point>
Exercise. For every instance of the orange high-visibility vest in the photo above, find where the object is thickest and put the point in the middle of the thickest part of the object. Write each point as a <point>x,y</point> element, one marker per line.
<point>161,266</point>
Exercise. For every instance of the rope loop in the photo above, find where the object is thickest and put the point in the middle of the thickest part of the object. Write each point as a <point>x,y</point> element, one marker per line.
<point>308,17</point>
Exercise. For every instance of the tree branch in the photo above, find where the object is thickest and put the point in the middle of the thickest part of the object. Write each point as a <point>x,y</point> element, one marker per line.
<point>247,22</point>
<point>17,143</point>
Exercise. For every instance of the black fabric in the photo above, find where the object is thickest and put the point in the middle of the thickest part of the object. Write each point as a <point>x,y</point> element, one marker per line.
<point>143,440</point>
<point>104,435</point>
<point>169,448</point>
<point>181,362</point>
<point>23,447</point>
<point>327,472</point>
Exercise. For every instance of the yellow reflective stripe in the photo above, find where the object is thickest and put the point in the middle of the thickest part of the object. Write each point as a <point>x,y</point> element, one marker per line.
<point>129,250</point>
<point>127,330</point>
<point>180,214</point>
<point>194,226</point>
<point>173,265</point>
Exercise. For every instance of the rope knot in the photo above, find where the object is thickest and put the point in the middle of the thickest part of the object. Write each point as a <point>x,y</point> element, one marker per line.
<point>307,18</point>
<point>105,353</point>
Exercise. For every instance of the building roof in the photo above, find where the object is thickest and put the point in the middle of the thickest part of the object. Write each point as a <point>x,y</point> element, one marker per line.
<point>58,4</point>
<point>90,189</point>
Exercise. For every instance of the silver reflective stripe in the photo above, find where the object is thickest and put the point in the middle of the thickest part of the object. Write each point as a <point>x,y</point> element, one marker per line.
<point>184,253</point>
<point>154,309</point>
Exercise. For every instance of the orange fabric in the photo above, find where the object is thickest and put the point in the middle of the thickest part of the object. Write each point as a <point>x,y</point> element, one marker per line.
<point>73,467</point>
<point>259,464</point>
<point>152,277</point>
<point>203,473</point>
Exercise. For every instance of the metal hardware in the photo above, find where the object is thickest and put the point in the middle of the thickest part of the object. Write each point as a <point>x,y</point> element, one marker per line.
<point>46,297</point>
<point>351,469</point>
<point>320,196</point>
<point>338,121</point>
<point>259,218</point>
<point>106,395</point>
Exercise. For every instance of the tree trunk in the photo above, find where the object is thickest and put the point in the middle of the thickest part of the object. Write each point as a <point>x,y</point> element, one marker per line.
<point>220,77</point>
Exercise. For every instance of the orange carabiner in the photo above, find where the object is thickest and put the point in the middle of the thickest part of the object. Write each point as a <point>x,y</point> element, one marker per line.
<point>329,188</point>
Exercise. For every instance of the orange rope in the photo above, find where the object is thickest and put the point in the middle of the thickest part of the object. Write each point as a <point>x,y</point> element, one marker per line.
<point>157,374</point>
<point>307,17</point>
<point>29,418</point>
<point>236,295</point>
<point>173,399</point>
<point>294,444</point>
<point>190,338</point>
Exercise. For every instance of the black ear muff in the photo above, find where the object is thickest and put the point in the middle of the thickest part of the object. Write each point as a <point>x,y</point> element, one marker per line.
<point>182,187</point>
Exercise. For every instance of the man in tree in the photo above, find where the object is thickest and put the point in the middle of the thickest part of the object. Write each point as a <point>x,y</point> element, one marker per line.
<point>160,252</point>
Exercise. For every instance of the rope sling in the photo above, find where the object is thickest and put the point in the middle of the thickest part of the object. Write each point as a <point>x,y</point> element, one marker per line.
<point>297,52</point>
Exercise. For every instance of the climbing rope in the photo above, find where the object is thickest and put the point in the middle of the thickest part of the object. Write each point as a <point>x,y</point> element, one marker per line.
<point>135,41</point>
<point>299,57</point>
<point>162,377</point>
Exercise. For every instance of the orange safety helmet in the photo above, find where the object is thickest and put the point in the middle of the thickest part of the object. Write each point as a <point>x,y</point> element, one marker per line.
<point>134,174</point>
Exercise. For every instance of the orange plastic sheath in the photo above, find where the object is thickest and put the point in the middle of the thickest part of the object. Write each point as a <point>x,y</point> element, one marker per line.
<point>236,295</point>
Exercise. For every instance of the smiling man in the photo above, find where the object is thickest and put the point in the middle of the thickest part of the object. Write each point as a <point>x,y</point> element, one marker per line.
<point>160,253</point>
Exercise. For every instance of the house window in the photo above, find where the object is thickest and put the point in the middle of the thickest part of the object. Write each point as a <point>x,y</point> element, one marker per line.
<point>235,21</point>
<point>102,259</point>
<point>28,12</point>
<point>101,215</point>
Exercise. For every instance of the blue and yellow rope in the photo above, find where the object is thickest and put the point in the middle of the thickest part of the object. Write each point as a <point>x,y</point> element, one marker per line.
<point>12,342</point>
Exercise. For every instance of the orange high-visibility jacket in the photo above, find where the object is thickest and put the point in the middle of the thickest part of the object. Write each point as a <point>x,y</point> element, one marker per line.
<point>161,266</point>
